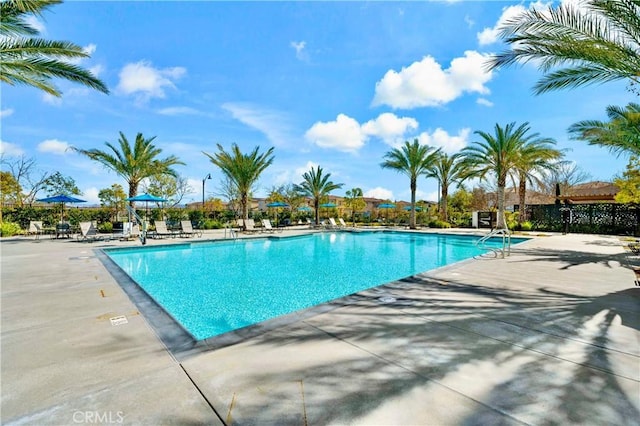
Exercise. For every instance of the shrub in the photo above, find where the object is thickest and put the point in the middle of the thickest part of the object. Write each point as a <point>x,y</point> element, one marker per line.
<point>212,224</point>
<point>9,229</point>
<point>526,226</point>
<point>439,224</point>
<point>105,227</point>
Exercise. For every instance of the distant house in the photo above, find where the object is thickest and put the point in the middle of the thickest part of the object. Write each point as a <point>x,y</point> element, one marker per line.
<point>591,192</point>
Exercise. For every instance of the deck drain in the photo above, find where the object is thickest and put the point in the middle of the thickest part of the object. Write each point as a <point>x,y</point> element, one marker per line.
<point>387,299</point>
<point>119,320</point>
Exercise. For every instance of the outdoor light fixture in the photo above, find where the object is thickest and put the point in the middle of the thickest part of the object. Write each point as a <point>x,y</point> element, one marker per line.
<point>208,176</point>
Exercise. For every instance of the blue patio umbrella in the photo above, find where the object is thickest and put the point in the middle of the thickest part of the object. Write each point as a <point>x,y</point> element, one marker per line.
<point>277,204</point>
<point>147,198</point>
<point>328,205</point>
<point>387,206</point>
<point>408,208</point>
<point>304,209</point>
<point>62,199</point>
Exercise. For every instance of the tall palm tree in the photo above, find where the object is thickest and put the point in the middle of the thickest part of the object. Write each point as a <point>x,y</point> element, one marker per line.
<point>25,59</point>
<point>242,170</point>
<point>133,163</point>
<point>621,134</point>
<point>413,160</point>
<point>537,156</point>
<point>498,154</point>
<point>316,185</point>
<point>355,201</point>
<point>597,42</point>
<point>448,170</point>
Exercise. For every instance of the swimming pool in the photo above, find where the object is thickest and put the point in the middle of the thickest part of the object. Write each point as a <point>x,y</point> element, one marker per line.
<point>211,288</point>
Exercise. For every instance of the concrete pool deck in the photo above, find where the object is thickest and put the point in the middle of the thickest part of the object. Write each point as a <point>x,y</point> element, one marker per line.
<point>549,335</point>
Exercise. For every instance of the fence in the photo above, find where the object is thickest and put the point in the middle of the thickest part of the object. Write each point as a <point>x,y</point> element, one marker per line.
<point>597,218</point>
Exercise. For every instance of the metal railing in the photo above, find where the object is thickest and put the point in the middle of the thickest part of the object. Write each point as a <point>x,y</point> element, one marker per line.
<point>506,242</point>
<point>141,222</point>
<point>232,233</point>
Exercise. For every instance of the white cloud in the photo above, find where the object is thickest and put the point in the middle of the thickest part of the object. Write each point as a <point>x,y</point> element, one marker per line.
<point>425,83</point>
<point>379,192</point>
<point>53,146</point>
<point>491,35</point>
<point>470,22</point>
<point>36,24</point>
<point>485,102</point>
<point>181,110</point>
<point>96,70</point>
<point>343,134</point>
<point>299,47</point>
<point>90,195</point>
<point>51,100</point>
<point>390,128</point>
<point>10,149</point>
<point>441,139</point>
<point>6,112</point>
<point>146,82</point>
<point>304,169</point>
<point>270,122</point>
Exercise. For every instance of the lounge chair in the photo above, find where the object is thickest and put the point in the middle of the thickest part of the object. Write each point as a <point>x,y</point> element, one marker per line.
<point>35,228</point>
<point>342,223</point>
<point>332,224</point>
<point>250,226</point>
<point>266,226</point>
<point>634,247</point>
<point>161,230</point>
<point>186,229</point>
<point>88,232</point>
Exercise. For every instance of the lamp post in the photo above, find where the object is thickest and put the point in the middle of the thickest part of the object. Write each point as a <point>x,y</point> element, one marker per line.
<point>208,176</point>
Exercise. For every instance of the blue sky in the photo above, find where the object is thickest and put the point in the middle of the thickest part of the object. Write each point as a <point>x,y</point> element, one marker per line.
<point>326,83</point>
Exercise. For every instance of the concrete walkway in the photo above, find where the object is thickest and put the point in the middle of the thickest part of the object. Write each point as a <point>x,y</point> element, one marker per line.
<point>549,335</point>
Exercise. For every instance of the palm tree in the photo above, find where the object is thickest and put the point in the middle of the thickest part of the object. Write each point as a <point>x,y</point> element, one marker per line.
<point>621,134</point>
<point>25,59</point>
<point>413,160</point>
<point>316,185</point>
<point>497,154</point>
<point>537,156</point>
<point>447,170</point>
<point>242,170</point>
<point>354,200</point>
<point>597,42</point>
<point>133,163</point>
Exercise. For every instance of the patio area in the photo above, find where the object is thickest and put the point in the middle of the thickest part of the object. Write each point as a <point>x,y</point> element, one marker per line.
<point>549,335</point>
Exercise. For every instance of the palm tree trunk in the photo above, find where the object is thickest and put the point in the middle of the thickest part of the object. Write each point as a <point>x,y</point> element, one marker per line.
<point>501,222</point>
<point>412,213</point>
<point>316,205</point>
<point>522,192</point>
<point>133,191</point>
<point>444,193</point>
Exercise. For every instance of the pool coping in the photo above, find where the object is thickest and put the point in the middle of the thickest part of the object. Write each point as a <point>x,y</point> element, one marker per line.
<point>183,345</point>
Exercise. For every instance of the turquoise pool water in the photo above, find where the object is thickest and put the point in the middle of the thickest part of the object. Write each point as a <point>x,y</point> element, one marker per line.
<point>213,288</point>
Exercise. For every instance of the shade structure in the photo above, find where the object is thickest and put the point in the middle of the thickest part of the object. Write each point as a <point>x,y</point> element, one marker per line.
<point>328,205</point>
<point>408,208</point>
<point>387,206</point>
<point>147,198</point>
<point>304,209</point>
<point>277,204</point>
<point>62,199</point>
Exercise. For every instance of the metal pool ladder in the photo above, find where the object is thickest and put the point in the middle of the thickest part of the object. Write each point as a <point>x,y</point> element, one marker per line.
<point>506,242</point>
<point>232,234</point>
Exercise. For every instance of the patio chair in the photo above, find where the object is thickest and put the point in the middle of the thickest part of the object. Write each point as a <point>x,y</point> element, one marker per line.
<point>332,224</point>
<point>35,228</point>
<point>266,226</point>
<point>342,223</point>
<point>250,226</point>
<point>88,232</point>
<point>161,230</point>
<point>186,229</point>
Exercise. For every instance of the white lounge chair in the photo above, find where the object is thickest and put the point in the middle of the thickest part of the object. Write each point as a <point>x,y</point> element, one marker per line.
<point>332,224</point>
<point>342,222</point>
<point>161,230</point>
<point>266,226</point>
<point>186,229</point>
<point>88,232</point>
<point>250,226</point>
<point>35,228</point>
